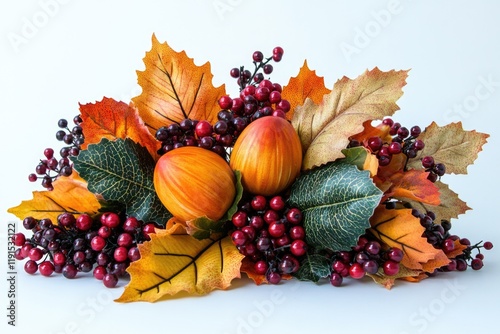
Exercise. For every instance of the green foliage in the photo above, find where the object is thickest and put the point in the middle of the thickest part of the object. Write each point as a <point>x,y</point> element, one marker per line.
<point>337,201</point>
<point>121,171</point>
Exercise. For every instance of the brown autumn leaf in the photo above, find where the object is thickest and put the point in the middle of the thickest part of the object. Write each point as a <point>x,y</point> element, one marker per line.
<point>413,185</point>
<point>399,228</point>
<point>173,263</point>
<point>112,120</point>
<point>451,205</point>
<point>305,85</point>
<point>388,281</point>
<point>174,88</point>
<point>451,145</point>
<point>70,194</point>
<point>324,129</point>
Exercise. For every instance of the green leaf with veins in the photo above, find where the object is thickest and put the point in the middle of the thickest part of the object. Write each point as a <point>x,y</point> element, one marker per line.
<point>313,268</point>
<point>337,201</point>
<point>121,171</point>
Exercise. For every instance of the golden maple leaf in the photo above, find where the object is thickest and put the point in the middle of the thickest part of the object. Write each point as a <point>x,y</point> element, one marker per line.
<point>325,129</point>
<point>112,120</point>
<point>70,194</point>
<point>174,88</point>
<point>171,263</point>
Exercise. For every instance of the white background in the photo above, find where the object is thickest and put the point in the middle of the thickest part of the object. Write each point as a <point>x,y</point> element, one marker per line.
<point>56,55</point>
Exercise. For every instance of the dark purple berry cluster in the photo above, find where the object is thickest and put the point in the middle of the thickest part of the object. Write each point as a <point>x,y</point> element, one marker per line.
<point>50,168</point>
<point>439,236</point>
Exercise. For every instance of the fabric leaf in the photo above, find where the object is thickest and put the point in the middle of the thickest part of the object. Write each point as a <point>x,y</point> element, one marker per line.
<point>313,268</point>
<point>452,146</point>
<point>174,88</point>
<point>170,264</point>
<point>451,206</point>
<point>388,281</point>
<point>324,129</point>
<point>122,171</point>
<point>70,194</point>
<point>399,228</point>
<point>112,120</point>
<point>337,201</point>
<point>413,185</point>
<point>305,85</point>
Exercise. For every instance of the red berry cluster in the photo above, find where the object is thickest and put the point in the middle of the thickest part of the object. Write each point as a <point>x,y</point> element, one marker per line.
<point>365,258</point>
<point>270,235</point>
<point>105,244</point>
<point>50,168</point>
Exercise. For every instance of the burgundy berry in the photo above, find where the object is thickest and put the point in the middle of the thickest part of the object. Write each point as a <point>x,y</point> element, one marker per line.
<point>276,229</point>
<point>375,143</point>
<point>30,267</point>
<point>18,239</point>
<point>257,56</point>
<point>120,254</point>
<point>271,216</point>
<point>99,272</point>
<point>110,280</point>
<point>69,271</point>
<point>46,268</point>
<point>134,254</point>
<point>273,277</point>
<point>131,225</point>
<point>488,245</point>
<point>297,232</point>
<point>239,219</point>
<point>84,222</point>
<point>356,271</point>
<point>277,203</point>
<point>294,216</point>
<point>336,279</point>
<point>235,73</point>
<point>239,238</point>
<point>415,131</point>
<point>261,267</point>
<point>110,219</point>
<point>427,162</point>
<point>258,203</point>
<point>298,247</point>
<point>390,267</point>
<point>204,128</point>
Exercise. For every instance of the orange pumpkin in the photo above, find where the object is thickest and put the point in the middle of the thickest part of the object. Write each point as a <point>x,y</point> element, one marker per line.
<point>268,153</point>
<point>193,182</point>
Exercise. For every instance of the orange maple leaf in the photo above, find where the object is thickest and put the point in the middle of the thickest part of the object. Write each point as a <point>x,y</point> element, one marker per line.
<point>305,85</point>
<point>413,185</point>
<point>174,88</point>
<point>112,119</point>
<point>399,228</point>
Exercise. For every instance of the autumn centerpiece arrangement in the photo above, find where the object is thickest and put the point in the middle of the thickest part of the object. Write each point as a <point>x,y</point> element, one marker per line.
<point>185,187</point>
